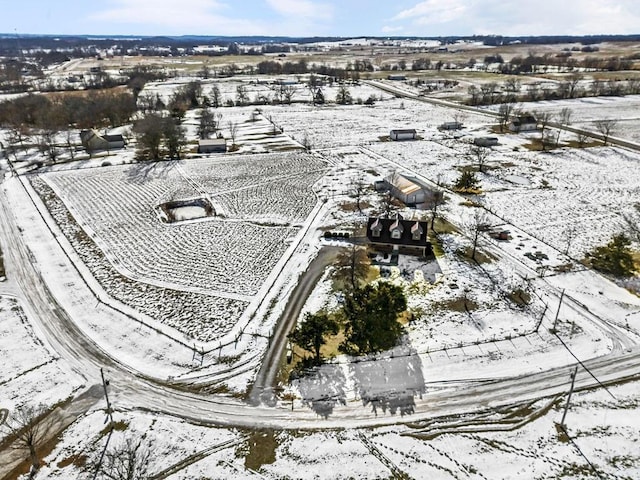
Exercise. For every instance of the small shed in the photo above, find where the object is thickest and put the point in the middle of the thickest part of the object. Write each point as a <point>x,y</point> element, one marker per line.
<point>213,145</point>
<point>485,141</point>
<point>403,134</point>
<point>450,126</point>
<point>523,123</point>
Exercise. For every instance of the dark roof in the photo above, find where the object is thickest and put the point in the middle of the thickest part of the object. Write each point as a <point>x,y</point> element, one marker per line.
<point>524,119</point>
<point>113,138</point>
<point>404,130</point>
<point>407,227</point>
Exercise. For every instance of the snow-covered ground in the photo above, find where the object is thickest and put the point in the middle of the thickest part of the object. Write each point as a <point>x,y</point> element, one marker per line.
<point>30,368</point>
<point>555,207</point>
<point>490,446</point>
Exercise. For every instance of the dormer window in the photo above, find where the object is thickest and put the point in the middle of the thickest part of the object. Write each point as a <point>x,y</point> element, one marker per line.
<point>376,228</point>
<point>416,231</point>
<point>396,230</point>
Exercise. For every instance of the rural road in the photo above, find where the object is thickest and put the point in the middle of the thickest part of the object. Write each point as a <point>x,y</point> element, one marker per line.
<point>262,390</point>
<point>480,111</point>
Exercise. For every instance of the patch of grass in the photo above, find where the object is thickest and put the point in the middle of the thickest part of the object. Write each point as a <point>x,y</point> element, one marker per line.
<point>470,203</point>
<point>520,297</point>
<point>480,256</point>
<point>120,426</point>
<point>459,304</point>
<point>576,144</point>
<point>259,449</point>
<point>353,206</point>
<point>441,225</point>
<point>78,460</point>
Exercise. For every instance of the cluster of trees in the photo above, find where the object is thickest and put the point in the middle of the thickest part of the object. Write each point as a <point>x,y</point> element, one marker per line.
<point>615,258</point>
<point>37,119</point>
<point>159,136</point>
<point>572,86</point>
<point>368,318</point>
<point>564,61</point>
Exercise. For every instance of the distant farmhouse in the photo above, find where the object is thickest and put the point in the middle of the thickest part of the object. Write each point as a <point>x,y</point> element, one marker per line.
<point>396,235</point>
<point>403,134</point>
<point>450,126</point>
<point>408,190</point>
<point>396,77</point>
<point>523,123</point>
<point>485,141</point>
<point>213,145</point>
<point>92,141</point>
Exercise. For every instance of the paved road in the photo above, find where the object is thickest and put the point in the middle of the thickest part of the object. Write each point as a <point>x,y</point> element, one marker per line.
<point>262,390</point>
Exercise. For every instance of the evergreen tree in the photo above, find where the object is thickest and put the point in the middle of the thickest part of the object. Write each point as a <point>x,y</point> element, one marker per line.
<point>614,258</point>
<point>311,334</point>
<point>371,315</point>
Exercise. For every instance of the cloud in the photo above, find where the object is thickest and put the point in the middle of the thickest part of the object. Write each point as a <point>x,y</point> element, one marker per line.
<point>434,11</point>
<point>184,16</point>
<point>388,29</point>
<point>305,9</point>
<point>542,17</point>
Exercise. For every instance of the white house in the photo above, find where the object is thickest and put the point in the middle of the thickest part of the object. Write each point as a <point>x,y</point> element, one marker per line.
<point>92,141</point>
<point>408,190</point>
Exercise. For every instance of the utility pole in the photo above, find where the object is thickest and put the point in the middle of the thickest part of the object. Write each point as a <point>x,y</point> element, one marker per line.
<point>105,383</point>
<point>109,419</point>
<point>555,320</point>
<point>566,407</point>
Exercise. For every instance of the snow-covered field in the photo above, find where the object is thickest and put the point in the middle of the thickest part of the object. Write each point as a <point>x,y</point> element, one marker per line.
<point>262,201</point>
<point>199,276</point>
<point>586,111</point>
<point>598,425</point>
<point>30,369</point>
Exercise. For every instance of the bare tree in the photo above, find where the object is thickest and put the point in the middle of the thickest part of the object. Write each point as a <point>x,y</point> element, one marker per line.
<point>479,223</point>
<point>357,189</point>
<point>29,426</point>
<point>128,460</point>
<point>233,132</point>
<point>288,91</point>
<point>582,138</point>
<point>208,124</point>
<point>570,233</point>
<point>505,112</point>
<point>353,265</point>
<point>437,199</point>
<point>606,127</point>
<point>242,97</point>
<point>543,119</point>
<point>478,156</point>
<point>632,221</point>
<point>564,119</point>
<point>343,97</point>
<point>216,97</point>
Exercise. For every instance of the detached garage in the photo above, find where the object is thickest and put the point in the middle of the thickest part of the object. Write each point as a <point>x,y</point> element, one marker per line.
<point>214,145</point>
<point>405,134</point>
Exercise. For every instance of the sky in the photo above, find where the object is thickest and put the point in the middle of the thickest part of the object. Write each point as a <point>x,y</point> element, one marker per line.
<point>320,17</point>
